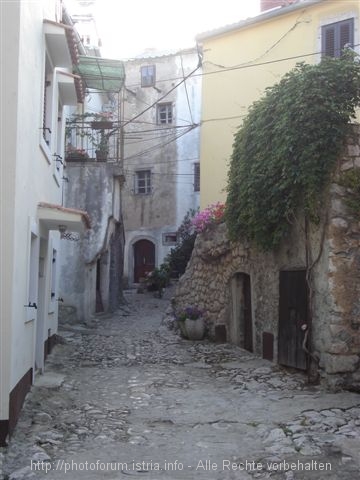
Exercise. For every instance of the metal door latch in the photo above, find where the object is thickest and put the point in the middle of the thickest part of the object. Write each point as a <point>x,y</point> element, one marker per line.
<point>31,305</point>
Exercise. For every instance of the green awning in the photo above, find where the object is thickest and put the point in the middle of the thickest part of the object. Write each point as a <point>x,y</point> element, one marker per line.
<point>101,73</point>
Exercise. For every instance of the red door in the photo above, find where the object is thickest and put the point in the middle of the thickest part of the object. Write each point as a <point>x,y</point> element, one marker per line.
<point>144,259</point>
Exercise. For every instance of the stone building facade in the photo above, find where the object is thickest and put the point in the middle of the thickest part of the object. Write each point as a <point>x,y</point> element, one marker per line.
<point>298,306</point>
<point>161,107</point>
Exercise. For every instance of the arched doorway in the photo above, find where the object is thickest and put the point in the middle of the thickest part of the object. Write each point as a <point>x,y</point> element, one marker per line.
<point>240,327</point>
<point>144,259</point>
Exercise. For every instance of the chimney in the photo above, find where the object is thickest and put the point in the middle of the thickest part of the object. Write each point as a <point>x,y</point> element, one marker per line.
<point>268,4</point>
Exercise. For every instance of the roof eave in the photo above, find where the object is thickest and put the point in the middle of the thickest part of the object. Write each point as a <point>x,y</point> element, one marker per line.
<point>262,17</point>
<point>53,216</point>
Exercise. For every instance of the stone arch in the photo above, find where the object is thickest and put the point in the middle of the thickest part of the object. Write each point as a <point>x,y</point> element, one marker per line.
<point>150,240</point>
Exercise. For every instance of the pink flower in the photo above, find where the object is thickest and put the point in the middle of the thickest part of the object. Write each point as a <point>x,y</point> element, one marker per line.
<point>212,214</point>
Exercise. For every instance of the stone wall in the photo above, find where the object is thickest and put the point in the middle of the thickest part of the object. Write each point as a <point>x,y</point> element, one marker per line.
<point>334,252</point>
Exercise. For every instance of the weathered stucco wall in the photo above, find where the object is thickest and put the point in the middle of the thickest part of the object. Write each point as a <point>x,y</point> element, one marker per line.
<point>168,150</point>
<point>334,250</point>
<point>95,262</point>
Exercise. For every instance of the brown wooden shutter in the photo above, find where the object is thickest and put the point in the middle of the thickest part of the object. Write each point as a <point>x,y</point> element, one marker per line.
<point>196,177</point>
<point>328,41</point>
<point>336,36</point>
<point>345,34</point>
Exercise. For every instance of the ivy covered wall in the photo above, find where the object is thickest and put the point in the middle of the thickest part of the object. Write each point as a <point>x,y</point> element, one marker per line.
<point>332,246</point>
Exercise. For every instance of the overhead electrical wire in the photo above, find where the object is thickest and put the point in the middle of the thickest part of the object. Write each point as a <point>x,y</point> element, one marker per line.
<point>160,129</point>
<point>251,65</point>
<point>130,172</point>
<point>149,105</point>
<point>186,91</point>
<point>159,99</point>
<point>195,159</point>
<point>236,67</point>
<point>190,127</point>
<point>155,147</point>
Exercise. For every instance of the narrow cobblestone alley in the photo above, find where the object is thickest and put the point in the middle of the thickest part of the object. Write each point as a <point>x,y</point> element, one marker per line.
<point>125,396</point>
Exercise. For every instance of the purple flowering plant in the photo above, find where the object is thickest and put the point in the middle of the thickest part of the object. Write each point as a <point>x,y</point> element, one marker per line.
<point>212,214</point>
<point>190,312</point>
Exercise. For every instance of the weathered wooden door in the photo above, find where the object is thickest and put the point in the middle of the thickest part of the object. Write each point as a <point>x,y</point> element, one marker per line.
<point>240,327</point>
<point>248,337</point>
<point>293,307</point>
<point>144,259</point>
<point>99,307</point>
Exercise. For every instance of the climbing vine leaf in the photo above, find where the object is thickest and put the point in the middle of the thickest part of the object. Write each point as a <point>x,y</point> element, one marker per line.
<point>287,147</point>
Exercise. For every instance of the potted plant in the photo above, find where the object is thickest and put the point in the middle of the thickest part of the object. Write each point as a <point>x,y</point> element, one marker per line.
<point>92,131</point>
<point>76,155</point>
<point>102,147</point>
<point>191,322</point>
<point>158,279</point>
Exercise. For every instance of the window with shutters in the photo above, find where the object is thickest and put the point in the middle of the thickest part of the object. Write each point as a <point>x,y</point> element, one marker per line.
<point>197,177</point>
<point>336,36</point>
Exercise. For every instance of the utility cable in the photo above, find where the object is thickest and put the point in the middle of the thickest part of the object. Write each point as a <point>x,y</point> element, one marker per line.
<point>186,91</point>
<point>137,140</point>
<point>161,98</point>
<point>154,163</point>
<point>297,22</point>
<point>251,65</point>
<point>148,104</point>
<point>155,147</point>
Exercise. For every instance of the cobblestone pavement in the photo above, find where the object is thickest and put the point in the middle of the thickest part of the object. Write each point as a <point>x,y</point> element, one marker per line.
<point>125,396</point>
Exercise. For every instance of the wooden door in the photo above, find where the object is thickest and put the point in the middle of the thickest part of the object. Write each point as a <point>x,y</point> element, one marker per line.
<point>99,307</point>
<point>248,337</point>
<point>144,259</point>
<point>240,327</point>
<point>293,307</point>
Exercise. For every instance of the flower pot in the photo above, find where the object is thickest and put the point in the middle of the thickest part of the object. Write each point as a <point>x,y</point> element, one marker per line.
<point>101,156</point>
<point>101,125</point>
<point>76,157</point>
<point>183,331</point>
<point>195,329</point>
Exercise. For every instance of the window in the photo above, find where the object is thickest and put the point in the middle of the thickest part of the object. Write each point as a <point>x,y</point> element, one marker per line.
<point>53,276</point>
<point>335,36</point>
<point>197,177</point>
<point>164,113</point>
<point>148,76</point>
<point>33,278</point>
<point>169,238</point>
<point>143,182</point>
<point>47,104</point>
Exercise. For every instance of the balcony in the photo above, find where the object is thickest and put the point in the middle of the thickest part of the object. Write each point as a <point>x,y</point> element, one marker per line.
<point>92,140</point>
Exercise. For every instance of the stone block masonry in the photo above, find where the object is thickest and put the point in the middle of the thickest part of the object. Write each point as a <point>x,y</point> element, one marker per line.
<point>333,261</point>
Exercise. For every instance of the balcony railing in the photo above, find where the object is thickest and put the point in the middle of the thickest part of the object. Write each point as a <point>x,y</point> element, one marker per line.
<point>96,141</point>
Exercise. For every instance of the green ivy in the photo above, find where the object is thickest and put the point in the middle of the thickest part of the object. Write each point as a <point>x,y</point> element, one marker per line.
<point>351,181</point>
<point>287,147</point>
<point>179,256</point>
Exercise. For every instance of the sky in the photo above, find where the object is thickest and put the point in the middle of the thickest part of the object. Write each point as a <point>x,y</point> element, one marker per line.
<point>128,28</point>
